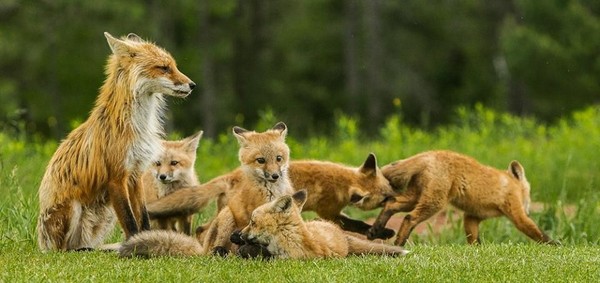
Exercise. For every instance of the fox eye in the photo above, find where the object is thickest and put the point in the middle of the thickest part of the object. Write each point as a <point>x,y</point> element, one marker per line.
<point>261,160</point>
<point>157,163</point>
<point>174,162</point>
<point>164,69</point>
<point>279,158</point>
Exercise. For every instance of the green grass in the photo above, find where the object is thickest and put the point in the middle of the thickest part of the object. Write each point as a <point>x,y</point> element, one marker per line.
<point>426,263</point>
<point>561,163</point>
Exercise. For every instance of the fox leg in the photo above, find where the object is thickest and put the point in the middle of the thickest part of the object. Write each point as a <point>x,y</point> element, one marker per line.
<point>185,223</point>
<point>428,205</point>
<point>54,226</point>
<point>472,228</point>
<point>138,205</point>
<point>401,203</point>
<point>216,239</point>
<point>522,221</point>
<point>358,226</point>
<point>119,197</point>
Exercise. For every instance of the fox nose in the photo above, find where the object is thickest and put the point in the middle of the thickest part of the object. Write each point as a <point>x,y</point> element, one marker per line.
<point>162,177</point>
<point>192,85</point>
<point>275,176</point>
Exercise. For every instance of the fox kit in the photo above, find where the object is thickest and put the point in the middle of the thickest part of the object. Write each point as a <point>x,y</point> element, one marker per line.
<point>429,181</point>
<point>95,172</point>
<point>275,230</point>
<point>331,187</point>
<point>173,170</point>
<point>278,226</point>
<point>264,161</point>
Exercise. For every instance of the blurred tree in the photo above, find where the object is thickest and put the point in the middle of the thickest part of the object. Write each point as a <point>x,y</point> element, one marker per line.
<point>552,48</point>
<point>306,61</point>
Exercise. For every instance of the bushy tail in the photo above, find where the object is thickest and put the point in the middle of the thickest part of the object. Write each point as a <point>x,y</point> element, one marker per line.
<point>187,201</point>
<point>358,246</point>
<point>155,243</point>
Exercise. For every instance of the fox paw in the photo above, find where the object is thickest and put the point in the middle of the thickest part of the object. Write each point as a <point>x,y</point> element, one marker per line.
<point>220,251</point>
<point>384,233</point>
<point>236,238</point>
<point>253,251</point>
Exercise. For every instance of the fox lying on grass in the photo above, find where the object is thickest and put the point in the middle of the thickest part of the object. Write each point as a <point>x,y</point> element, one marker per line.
<point>277,227</point>
<point>331,187</point>
<point>173,170</point>
<point>95,172</point>
<point>427,182</point>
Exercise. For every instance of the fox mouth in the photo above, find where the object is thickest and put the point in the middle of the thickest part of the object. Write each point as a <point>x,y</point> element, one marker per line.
<point>181,93</point>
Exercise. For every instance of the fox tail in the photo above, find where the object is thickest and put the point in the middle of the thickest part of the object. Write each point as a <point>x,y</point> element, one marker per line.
<point>153,243</point>
<point>358,246</point>
<point>187,201</point>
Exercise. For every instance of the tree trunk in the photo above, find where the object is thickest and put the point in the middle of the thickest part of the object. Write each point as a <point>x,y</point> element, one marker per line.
<point>208,106</point>
<point>350,56</point>
<point>374,49</point>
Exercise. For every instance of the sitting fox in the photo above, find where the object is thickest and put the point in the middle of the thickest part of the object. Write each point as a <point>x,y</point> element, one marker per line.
<point>277,227</point>
<point>427,182</point>
<point>264,159</point>
<point>173,170</point>
<point>331,187</point>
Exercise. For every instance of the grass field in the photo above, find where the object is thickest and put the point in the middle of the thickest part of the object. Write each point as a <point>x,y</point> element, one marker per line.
<point>561,162</point>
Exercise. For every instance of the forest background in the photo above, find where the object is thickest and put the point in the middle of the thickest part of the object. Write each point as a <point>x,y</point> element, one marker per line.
<point>309,62</point>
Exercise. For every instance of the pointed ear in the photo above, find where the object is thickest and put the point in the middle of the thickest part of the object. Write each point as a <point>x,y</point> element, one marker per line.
<point>283,204</point>
<point>239,134</point>
<point>300,198</point>
<point>117,46</point>
<point>369,167</point>
<point>517,170</point>
<point>191,142</point>
<point>134,37</point>
<point>281,128</point>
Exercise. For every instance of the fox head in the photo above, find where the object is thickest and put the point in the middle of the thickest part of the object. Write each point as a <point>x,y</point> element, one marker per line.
<point>516,170</point>
<point>373,188</point>
<point>264,155</point>
<point>176,162</point>
<point>274,219</point>
<point>149,68</point>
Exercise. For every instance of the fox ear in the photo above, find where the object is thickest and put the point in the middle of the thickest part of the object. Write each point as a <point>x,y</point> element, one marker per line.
<point>283,204</point>
<point>516,169</point>
<point>191,143</point>
<point>300,197</point>
<point>134,37</point>
<point>118,47</point>
<point>281,128</point>
<point>369,167</point>
<point>239,134</point>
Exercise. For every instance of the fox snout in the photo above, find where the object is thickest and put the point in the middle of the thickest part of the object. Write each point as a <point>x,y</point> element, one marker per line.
<point>271,177</point>
<point>164,178</point>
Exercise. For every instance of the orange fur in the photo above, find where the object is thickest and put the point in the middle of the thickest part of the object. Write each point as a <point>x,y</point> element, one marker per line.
<point>264,158</point>
<point>331,187</point>
<point>172,171</point>
<point>429,181</point>
<point>279,227</point>
<point>100,163</point>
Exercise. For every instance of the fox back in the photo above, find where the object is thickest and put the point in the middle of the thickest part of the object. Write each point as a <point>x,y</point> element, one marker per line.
<point>102,160</point>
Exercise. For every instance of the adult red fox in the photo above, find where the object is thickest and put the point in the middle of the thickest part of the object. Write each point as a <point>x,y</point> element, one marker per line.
<point>427,182</point>
<point>96,170</point>
<point>173,170</point>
